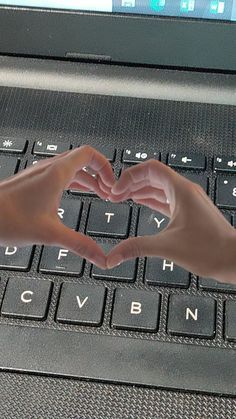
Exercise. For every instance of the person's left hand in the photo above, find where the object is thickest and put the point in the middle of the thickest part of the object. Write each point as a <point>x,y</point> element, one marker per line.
<point>29,201</point>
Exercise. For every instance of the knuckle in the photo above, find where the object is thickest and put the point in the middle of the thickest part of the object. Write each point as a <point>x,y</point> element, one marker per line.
<point>86,148</point>
<point>79,248</point>
<point>134,248</point>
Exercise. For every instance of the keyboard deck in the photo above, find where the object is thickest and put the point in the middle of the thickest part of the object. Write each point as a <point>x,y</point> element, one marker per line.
<point>148,308</point>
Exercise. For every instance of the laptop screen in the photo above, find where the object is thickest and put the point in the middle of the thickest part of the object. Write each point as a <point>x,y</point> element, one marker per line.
<point>199,9</point>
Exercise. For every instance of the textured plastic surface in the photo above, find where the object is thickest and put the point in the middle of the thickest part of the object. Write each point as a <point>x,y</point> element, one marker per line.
<point>118,38</point>
<point>113,80</point>
<point>209,129</point>
<point>120,360</point>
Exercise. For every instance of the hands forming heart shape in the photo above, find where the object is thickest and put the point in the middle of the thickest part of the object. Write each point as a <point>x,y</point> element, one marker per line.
<point>198,237</point>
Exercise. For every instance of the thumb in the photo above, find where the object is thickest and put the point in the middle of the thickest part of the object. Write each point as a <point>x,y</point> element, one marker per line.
<point>135,247</point>
<point>80,244</point>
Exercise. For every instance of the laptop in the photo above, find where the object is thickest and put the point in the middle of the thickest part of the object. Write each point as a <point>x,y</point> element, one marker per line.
<point>136,79</point>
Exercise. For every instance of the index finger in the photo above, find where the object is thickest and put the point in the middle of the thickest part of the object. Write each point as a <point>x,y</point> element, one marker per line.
<point>86,156</point>
<point>151,173</point>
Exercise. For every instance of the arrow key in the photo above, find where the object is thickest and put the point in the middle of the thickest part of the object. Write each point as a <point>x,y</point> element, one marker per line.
<point>187,161</point>
<point>81,304</point>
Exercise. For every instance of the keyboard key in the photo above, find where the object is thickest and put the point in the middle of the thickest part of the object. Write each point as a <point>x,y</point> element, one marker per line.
<point>110,220</point>
<point>107,150</point>
<point>50,148</point>
<point>26,298</point>
<point>224,164</point>
<point>234,220</point>
<point>230,320</point>
<point>16,258</point>
<point>150,222</point>
<point>136,310</point>
<point>187,161</point>
<point>12,145</point>
<point>81,304</point>
<point>78,192</point>
<point>126,272</point>
<point>192,316</point>
<point>55,260</point>
<point>165,273</point>
<point>227,216</point>
<point>137,155</point>
<point>197,178</point>
<point>69,212</point>
<point>210,284</point>
<point>226,192</point>
<point>33,161</point>
<point>8,166</point>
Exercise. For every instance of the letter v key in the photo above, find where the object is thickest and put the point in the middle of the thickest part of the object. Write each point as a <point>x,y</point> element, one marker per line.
<point>81,303</point>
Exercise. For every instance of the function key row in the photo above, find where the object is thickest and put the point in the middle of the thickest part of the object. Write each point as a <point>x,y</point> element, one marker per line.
<point>130,155</point>
<point>83,304</point>
<point>44,148</point>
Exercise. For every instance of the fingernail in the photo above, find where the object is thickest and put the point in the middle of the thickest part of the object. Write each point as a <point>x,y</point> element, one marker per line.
<point>114,261</point>
<point>113,189</point>
<point>100,262</point>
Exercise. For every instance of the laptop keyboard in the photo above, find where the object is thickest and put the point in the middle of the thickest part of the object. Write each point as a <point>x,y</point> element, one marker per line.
<point>167,302</point>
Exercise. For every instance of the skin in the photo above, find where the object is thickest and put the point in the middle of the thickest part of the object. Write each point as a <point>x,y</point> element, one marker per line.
<point>198,237</point>
<point>30,199</point>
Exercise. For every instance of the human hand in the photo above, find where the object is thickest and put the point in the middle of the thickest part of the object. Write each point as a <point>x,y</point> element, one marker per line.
<point>198,237</point>
<point>29,201</point>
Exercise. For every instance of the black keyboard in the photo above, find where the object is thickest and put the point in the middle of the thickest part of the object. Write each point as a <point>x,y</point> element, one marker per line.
<point>147,321</point>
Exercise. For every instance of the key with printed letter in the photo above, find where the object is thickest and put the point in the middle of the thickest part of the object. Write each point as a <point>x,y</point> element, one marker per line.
<point>26,298</point>
<point>81,304</point>
<point>192,316</point>
<point>136,310</point>
<point>16,258</point>
<point>111,220</point>
<point>165,273</point>
<point>60,261</point>
<point>150,222</point>
<point>69,212</point>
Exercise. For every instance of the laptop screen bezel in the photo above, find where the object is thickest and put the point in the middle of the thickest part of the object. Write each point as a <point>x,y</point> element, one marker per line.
<point>131,39</point>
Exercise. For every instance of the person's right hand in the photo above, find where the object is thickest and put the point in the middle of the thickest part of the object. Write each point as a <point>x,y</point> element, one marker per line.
<point>198,237</point>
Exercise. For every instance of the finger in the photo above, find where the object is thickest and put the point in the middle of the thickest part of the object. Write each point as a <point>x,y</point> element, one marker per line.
<point>79,244</point>
<point>87,156</point>
<point>146,193</point>
<point>155,173</point>
<point>88,182</point>
<point>149,193</point>
<point>78,187</point>
<point>136,247</point>
<point>155,205</point>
